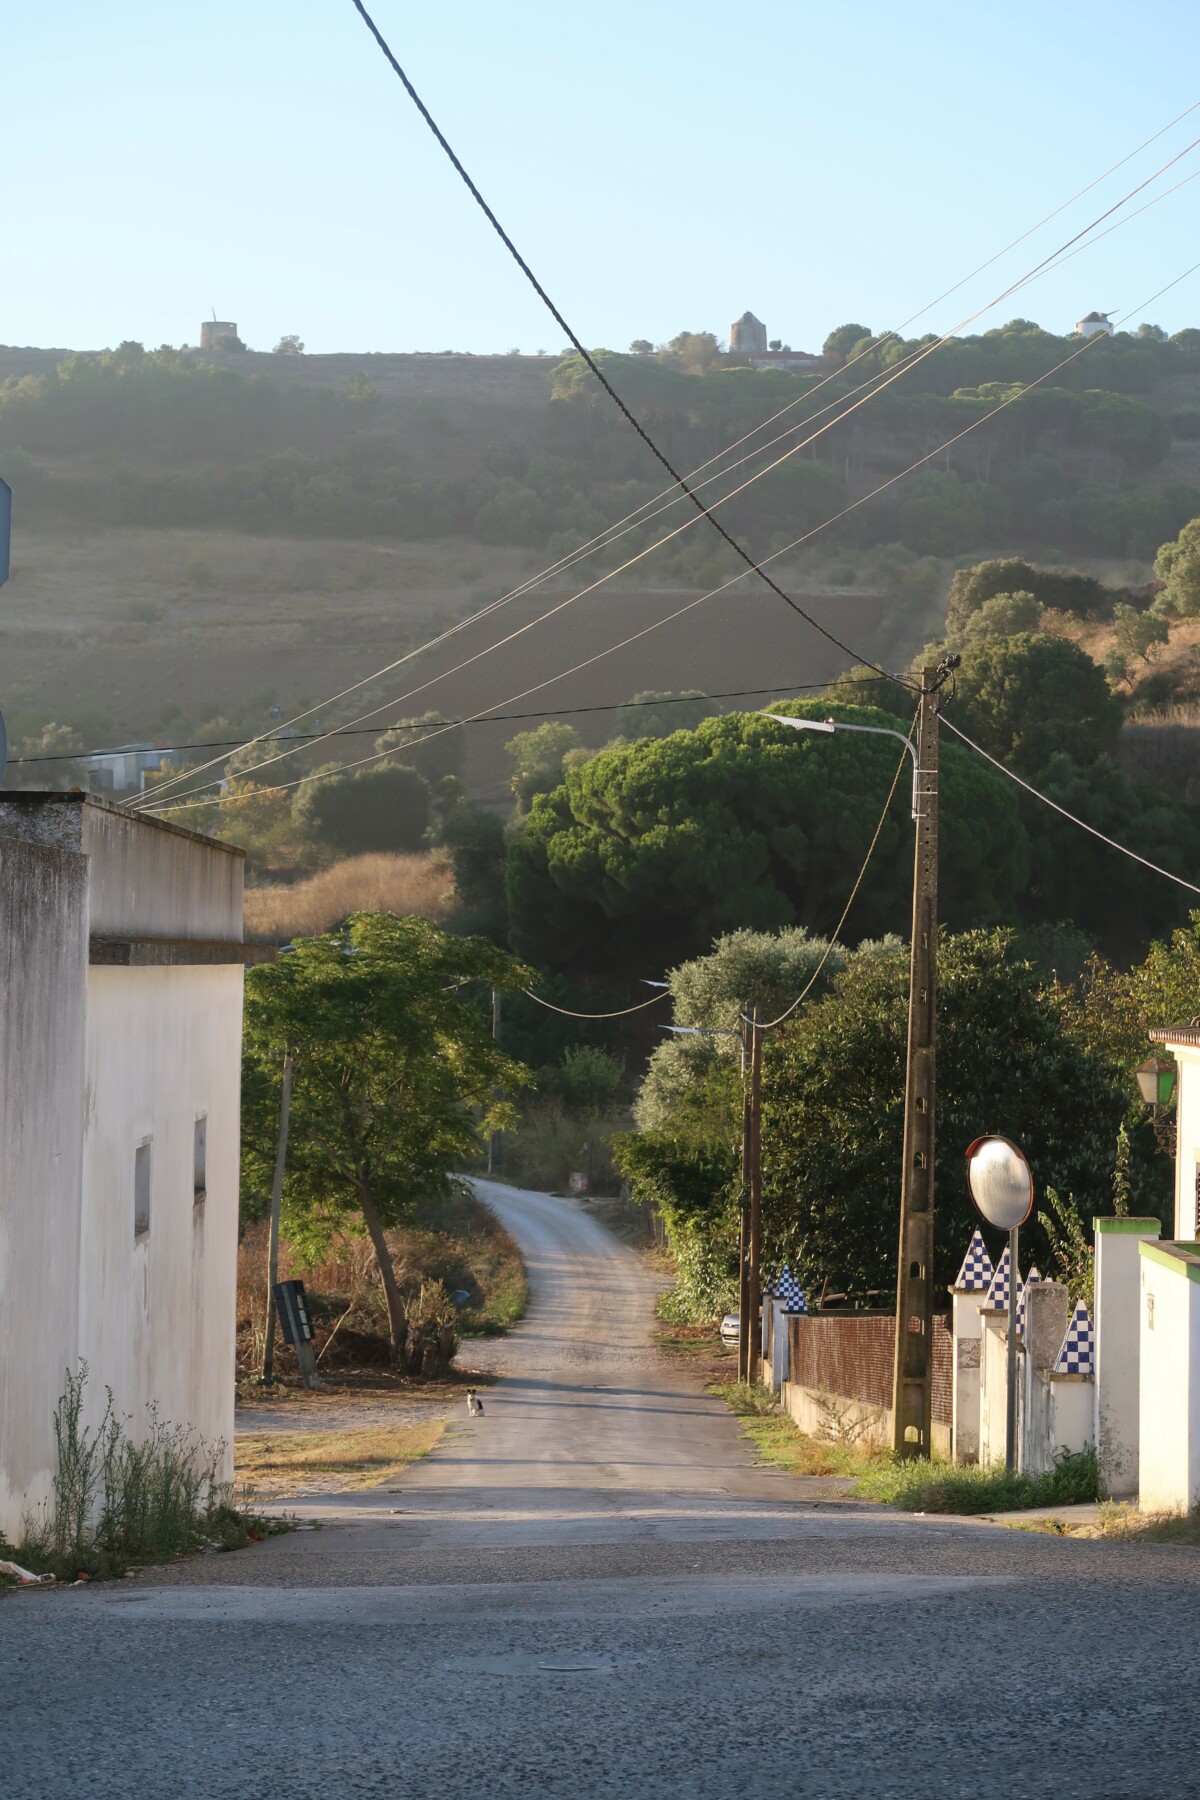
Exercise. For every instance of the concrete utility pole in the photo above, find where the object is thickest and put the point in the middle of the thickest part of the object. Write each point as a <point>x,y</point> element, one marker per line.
<point>493,1162</point>
<point>912,1387</point>
<point>754,1277</point>
<point>285,1108</point>
<point>744,1231</point>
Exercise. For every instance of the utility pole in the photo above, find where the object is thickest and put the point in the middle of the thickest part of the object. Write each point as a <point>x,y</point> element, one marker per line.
<point>493,1162</point>
<point>285,1108</point>
<point>912,1388</point>
<point>744,1235</point>
<point>754,1274</point>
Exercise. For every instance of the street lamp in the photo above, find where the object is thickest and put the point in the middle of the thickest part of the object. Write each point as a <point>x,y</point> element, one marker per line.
<point>873,730</point>
<point>1156,1083</point>
<point>912,1375</point>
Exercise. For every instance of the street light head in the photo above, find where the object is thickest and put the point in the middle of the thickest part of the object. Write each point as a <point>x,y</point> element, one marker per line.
<point>802,724</point>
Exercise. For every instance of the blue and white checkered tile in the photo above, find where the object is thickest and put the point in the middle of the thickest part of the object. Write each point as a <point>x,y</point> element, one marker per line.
<point>977,1271</point>
<point>996,1298</point>
<point>778,1288</point>
<point>1033,1275</point>
<point>792,1294</point>
<point>1078,1353</point>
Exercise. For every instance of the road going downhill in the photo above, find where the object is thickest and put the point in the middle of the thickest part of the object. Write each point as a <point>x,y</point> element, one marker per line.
<point>592,1592</point>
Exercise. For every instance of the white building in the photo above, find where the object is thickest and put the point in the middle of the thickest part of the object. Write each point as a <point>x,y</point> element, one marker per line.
<point>1093,323</point>
<point>124,770</point>
<point>121,963</point>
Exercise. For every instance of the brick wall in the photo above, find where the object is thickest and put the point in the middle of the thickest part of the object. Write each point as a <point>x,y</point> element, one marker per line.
<point>850,1354</point>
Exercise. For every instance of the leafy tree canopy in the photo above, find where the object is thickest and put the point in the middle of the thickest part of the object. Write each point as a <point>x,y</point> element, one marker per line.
<point>380,808</point>
<point>537,760</point>
<point>1177,565</point>
<point>649,851</point>
<point>1013,1057</point>
<point>658,712</point>
<point>391,1053</point>
<point>1027,698</point>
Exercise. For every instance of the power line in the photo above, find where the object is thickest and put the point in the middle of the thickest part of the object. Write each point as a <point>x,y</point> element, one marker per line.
<point>587,356</point>
<point>1053,804</point>
<point>1088,343</point>
<point>1063,253</point>
<point>771,1024</point>
<point>562,712</point>
<point>567,1013</point>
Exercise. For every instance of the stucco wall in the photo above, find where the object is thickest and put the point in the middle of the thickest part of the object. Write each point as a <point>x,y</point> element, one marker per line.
<point>157,1312</point>
<point>147,878</point>
<point>1187,1161</point>
<point>1118,1308</point>
<point>43,967</point>
<point>1170,1379</point>
<point>967,1329</point>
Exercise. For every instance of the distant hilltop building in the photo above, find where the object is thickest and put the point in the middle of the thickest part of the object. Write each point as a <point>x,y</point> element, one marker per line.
<point>218,334</point>
<point>1093,323</point>
<point>748,338</point>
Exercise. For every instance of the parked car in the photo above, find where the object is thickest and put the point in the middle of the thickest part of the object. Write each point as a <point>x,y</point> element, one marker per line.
<point>731,1326</point>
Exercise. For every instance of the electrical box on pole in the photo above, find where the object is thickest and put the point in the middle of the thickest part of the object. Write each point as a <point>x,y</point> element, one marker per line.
<point>912,1387</point>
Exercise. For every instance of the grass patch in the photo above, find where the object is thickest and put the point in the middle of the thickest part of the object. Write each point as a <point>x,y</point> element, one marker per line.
<point>421,884</point>
<point>779,1441</point>
<point>275,1465</point>
<point>926,1487</point>
<point>119,1502</point>
<point>1120,1522</point>
<point>944,1488</point>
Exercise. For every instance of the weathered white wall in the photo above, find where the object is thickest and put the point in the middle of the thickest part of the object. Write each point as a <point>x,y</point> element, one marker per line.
<point>1187,1160</point>
<point>95,1058</point>
<point>43,966</point>
<point>964,1431</point>
<point>1046,1313</point>
<point>993,1387</point>
<point>1170,1379</point>
<point>1118,1327</point>
<point>157,1313</point>
<point>836,1418</point>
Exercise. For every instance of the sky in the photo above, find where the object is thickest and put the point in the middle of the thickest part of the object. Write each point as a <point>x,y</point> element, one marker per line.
<point>662,167</point>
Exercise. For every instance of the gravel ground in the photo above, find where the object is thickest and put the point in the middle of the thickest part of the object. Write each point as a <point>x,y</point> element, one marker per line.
<point>591,1591</point>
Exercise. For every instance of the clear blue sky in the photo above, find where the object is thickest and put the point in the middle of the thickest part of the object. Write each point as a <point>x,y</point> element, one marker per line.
<point>662,166</point>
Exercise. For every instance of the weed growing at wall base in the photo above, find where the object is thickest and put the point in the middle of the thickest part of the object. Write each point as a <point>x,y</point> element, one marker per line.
<point>117,1502</point>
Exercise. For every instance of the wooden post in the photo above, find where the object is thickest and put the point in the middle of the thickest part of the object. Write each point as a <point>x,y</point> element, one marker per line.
<point>912,1386</point>
<point>754,1281</point>
<point>285,1107</point>
<point>493,1162</point>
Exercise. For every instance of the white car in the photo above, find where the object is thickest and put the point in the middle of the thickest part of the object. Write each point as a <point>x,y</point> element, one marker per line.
<point>731,1326</point>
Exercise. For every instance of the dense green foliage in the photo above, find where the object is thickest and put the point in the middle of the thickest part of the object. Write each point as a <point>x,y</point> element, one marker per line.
<point>381,807</point>
<point>1026,698</point>
<point>648,851</point>
<point>391,1054</point>
<point>166,439</point>
<point>1018,1053</point>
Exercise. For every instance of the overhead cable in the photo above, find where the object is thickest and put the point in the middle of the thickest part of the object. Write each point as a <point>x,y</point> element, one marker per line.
<point>614,533</point>
<point>1055,807</point>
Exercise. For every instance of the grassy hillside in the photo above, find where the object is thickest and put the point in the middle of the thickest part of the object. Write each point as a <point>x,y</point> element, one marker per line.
<point>200,541</point>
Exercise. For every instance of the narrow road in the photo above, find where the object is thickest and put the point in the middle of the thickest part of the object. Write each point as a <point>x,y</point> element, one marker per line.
<point>591,1591</point>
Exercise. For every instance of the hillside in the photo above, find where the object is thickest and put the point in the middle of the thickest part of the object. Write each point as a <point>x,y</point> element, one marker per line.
<point>201,539</point>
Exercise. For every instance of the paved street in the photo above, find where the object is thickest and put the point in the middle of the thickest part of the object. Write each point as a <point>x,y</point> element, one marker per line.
<point>592,1591</point>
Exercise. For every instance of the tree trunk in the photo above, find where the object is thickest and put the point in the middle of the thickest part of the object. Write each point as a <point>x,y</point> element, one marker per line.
<point>397,1322</point>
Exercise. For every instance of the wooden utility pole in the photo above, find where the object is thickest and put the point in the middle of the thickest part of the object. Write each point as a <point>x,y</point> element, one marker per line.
<point>754,1276</point>
<point>912,1387</point>
<point>285,1108</point>
<point>493,1162</point>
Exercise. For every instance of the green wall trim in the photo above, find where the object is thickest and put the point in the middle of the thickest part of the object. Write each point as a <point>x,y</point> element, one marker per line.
<point>1129,1227</point>
<point>1181,1259</point>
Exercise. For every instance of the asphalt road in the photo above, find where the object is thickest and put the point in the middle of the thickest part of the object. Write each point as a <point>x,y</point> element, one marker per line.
<point>591,1591</point>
